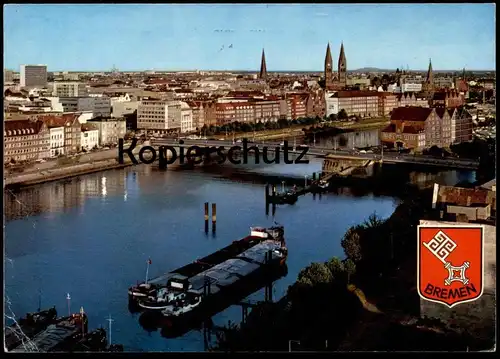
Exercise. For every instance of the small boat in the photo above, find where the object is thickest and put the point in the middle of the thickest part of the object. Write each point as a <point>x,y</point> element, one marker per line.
<point>30,325</point>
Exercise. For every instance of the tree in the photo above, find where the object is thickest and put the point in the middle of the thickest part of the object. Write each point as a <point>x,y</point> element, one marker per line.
<point>342,115</point>
<point>335,266</point>
<point>373,221</point>
<point>332,117</point>
<point>352,243</point>
<point>314,274</point>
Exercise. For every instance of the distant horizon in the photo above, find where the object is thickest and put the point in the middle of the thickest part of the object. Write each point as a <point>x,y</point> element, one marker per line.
<point>231,36</point>
<point>366,69</point>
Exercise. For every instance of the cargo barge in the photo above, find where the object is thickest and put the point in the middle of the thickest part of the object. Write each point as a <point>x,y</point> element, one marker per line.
<point>30,326</point>
<point>176,328</point>
<point>157,293</point>
<point>59,336</point>
<point>212,289</point>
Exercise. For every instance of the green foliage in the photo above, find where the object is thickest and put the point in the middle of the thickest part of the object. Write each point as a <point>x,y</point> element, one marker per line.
<point>342,115</point>
<point>315,274</point>
<point>352,243</point>
<point>257,126</point>
<point>373,221</point>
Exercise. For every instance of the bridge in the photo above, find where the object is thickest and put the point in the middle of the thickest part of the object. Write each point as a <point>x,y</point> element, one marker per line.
<point>332,155</point>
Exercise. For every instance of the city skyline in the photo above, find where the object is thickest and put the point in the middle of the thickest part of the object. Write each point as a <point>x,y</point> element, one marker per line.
<point>232,37</point>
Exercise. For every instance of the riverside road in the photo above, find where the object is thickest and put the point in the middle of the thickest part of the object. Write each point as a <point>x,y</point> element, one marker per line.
<point>392,157</point>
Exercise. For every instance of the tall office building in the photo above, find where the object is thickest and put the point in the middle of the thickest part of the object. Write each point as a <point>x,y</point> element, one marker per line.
<point>33,75</point>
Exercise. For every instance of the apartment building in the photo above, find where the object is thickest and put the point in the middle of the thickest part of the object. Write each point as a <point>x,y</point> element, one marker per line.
<point>72,130</point>
<point>25,140</point>
<point>69,89</point>
<point>386,103</point>
<point>89,137</point>
<point>448,99</point>
<point>56,140</point>
<point>316,105</point>
<point>462,123</point>
<point>411,99</point>
<point>411,87</point>
<point>99,106</point>
<point>227,112</point>
<point>444,82</point>
<point>359,103</point>
<point>198,114</point>
<point>447,127</point>
<point>266,109</point>
<point>296,106</point>
<point>110,129</point>
<point>210,113</point>
<point>417,128</point>
<point>186,118</point>
<point>8,76</point>
<point>159,116</point>
<point>33,76</point>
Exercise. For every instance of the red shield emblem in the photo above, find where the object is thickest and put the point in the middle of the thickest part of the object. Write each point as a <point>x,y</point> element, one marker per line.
<point>450,263</point>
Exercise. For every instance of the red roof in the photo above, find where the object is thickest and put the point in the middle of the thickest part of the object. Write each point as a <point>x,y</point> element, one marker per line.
<point>360,93</point>
<point>459,196</point>
<point>59,120</point>
<point>411,113</point>
<point>20,125</point>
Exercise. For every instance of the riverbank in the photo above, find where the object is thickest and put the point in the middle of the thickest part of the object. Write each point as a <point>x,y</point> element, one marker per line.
<point>61,173</point>
<point>368,301</point>
<point>297,130</point>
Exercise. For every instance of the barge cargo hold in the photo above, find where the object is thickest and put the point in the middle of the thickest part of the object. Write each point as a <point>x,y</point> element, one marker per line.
<point>174,282</point>
<point>230,279</point>
<point>175,328</point>
<point>57,337</point>
<point>30,326</point>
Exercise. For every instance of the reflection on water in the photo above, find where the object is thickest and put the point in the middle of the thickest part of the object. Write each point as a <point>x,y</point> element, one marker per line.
<point>62,195</point>
<point>348,140</point>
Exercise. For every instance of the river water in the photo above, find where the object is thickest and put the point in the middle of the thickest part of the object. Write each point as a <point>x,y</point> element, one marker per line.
<point>91,237</point>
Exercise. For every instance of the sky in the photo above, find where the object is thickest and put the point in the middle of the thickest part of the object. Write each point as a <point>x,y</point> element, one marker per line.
<point>173,37</point>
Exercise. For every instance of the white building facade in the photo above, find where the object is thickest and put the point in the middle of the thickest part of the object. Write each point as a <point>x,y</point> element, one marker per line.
<point>110,130</point>
<point>332,104</point>
<point>186,118</point>
<point>56,141</point>
<point>33,75</point>
<point>159,116</point>
<point>90,139</point>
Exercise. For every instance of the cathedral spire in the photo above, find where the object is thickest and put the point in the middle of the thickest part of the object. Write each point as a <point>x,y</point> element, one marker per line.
<point>430,75</point>
<point>328,57</point>
<point>263,67</point>
<point>342,67</point>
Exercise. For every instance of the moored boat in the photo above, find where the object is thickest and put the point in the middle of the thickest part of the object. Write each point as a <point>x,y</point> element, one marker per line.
<point>30,326</point>
<point>157,293</point>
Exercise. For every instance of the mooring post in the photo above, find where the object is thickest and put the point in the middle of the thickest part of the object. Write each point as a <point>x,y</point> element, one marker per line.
<point>314,176</point>
<point>214,216</point>
<point>206,217</point>
<point>267,193</point>
<point>267,209</point>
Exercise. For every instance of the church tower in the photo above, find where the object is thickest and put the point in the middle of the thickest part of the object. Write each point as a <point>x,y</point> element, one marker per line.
<point>263,68</point>
<point>328,68</point>
<point>342,67</point>
<point>428,87</point>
